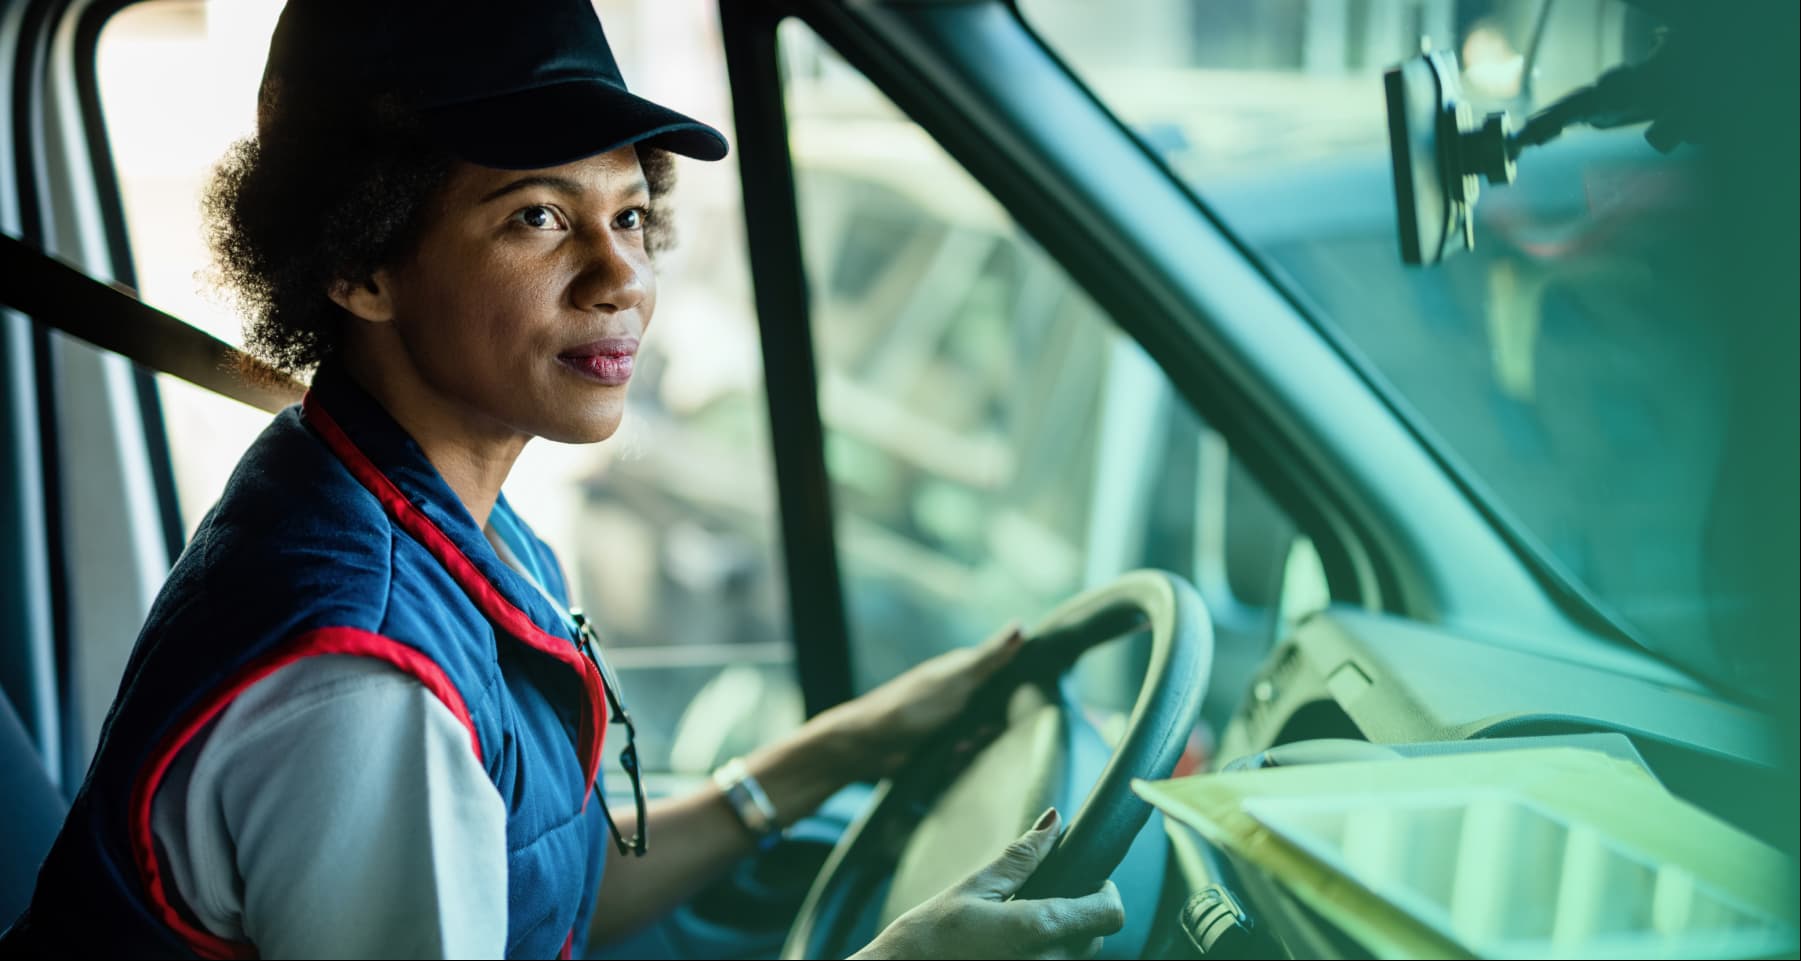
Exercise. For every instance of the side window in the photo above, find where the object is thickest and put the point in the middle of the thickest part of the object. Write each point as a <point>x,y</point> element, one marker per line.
<point>995,443</point>
<point>668,530</point>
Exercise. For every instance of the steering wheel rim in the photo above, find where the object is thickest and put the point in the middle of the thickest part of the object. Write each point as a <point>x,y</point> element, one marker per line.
<point>1102,828</point>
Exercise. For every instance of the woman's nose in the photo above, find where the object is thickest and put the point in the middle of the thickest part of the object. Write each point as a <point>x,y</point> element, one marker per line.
<point>615,273</point>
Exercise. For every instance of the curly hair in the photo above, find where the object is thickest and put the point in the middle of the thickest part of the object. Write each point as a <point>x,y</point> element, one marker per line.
<point>313,200</point>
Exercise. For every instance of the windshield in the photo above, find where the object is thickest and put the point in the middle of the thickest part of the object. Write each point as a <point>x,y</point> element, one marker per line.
<point>1576,368</point>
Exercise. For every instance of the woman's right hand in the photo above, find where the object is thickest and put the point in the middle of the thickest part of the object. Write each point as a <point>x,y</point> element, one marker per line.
<point>973,918</point>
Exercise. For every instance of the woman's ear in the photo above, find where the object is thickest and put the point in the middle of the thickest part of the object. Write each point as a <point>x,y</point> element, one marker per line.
<point>369,299</point>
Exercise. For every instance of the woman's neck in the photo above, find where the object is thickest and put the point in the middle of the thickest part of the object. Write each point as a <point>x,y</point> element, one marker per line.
<point>473,454</point>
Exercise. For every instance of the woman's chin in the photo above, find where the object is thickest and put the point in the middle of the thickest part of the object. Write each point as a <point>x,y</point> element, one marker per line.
<point>588,430</point>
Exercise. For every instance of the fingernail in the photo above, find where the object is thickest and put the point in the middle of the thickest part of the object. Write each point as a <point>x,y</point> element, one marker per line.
<point>1045,820</point>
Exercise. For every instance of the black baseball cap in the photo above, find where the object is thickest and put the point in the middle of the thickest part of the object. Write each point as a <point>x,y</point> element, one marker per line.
<point>514,84</point>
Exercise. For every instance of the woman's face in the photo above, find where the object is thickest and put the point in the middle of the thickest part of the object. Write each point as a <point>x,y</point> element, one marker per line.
<point>526,298</point>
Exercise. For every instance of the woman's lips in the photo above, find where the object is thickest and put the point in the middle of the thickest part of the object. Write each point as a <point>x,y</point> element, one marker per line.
<point>603,361</point>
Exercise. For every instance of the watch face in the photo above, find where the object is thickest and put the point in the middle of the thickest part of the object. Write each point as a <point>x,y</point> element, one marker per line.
<point>747,799</point>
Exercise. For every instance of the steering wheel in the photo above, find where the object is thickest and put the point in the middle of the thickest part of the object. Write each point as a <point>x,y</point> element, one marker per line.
<point>947,812</point>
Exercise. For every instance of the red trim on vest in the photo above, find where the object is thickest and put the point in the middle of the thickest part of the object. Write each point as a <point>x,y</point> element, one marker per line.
<point>486,596</point>
<point>329,640</point>
<point>568,947</point>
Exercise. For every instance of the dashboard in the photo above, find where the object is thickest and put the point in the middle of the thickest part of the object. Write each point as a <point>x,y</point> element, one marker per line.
<point>1350,686</point>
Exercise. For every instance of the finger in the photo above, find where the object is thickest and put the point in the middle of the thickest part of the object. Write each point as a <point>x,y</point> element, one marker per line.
<point>1077,949</point>
<point>999,648</point>
<point>1074,950</point>
<point>978,740</point>
<point>1000,878</point>
<point>1076,920</point>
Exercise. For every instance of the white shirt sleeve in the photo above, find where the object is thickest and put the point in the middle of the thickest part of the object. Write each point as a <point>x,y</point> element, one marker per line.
<point>335,809</point>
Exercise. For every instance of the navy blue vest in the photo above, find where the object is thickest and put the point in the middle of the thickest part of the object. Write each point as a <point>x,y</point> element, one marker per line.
<point>336,535</point>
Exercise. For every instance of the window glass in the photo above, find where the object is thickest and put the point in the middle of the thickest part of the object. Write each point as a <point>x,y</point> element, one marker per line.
<point>668,530</point>
<point>1571,365</point>
<point>995,443</point>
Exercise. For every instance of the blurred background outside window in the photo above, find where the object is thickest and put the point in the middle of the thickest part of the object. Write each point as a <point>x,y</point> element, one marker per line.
<point>995,443</point>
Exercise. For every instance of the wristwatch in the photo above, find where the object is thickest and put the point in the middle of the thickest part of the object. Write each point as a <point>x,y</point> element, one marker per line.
<point>749,802</point>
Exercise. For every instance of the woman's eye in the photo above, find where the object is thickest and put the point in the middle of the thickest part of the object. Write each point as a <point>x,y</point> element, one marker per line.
<point>632,219</point>
<point>539,217</point>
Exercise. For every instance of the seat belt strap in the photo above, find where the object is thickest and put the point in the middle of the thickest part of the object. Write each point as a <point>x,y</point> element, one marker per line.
<point>112,318</point>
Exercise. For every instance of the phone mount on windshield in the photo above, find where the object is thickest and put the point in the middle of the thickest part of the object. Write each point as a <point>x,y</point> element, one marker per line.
<point>1441,151</point>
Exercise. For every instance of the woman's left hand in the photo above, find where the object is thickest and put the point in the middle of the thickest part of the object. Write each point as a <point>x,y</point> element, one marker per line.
<point>885,724</point>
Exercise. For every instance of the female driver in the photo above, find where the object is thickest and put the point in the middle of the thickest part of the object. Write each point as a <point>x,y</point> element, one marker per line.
<point>361,719</point>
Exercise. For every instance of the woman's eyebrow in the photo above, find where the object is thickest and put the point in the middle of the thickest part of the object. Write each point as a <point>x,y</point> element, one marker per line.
<point>561,185</point>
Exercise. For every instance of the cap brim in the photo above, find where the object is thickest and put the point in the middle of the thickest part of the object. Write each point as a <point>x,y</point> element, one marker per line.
<point>561,123</point>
